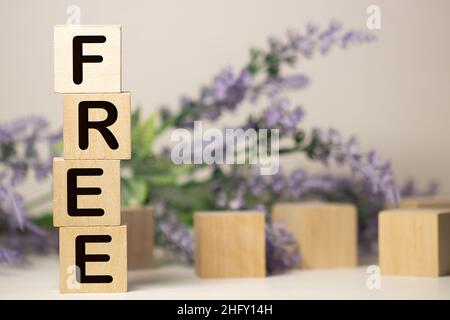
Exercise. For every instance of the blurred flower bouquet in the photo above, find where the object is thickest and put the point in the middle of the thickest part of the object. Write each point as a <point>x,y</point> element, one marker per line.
<point>177,191</point>
<point>26,146</point>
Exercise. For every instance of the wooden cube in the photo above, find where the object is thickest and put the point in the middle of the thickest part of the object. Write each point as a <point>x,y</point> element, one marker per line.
<point>414,242</point>
<point>229,244</point>
<point>93,259</point>
<point>86,192</point>
<point>87,58</point>
<point>97,126</point>
<point>141,234</point>
<point>425,202</point>
<point>325,232</point>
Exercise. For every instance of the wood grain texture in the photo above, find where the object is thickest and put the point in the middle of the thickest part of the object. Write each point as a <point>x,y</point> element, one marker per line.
<point>414,242</point>
<point>116,267</point>
<point>141,234</point>
<point>425,202</point>
<point>108,200</point>
<point>98,147</point>
<point>326,232</point>
<point>104,76</point>
<point>229,244</point>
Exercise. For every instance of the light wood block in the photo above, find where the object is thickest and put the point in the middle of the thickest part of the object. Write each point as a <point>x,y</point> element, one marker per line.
<point>111,111</point>
<point>97,76</point>
<point>425,202</point>
<point>103,175</point>
<point>141,234</point>
<point>229,244</point>
<point>414,242</point>
<point>79,265</point>
<point>326,232</point>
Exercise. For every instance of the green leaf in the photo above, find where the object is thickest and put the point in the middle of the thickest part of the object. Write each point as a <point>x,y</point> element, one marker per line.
<point>136,193</point>
<point>143,135</point>
<point>45,220</point>
<point>58,147</point>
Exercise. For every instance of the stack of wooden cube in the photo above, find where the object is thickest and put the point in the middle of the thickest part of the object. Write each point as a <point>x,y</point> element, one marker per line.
<point>86,182</point>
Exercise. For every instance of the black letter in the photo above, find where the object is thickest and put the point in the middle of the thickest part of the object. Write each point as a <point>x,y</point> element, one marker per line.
<point>81,258</point>
<point>79,59</point>
<point>73,191</point>
<point>102,126</point>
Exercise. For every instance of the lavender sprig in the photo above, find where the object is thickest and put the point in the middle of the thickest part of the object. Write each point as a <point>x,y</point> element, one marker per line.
<point>228,89</point>
<point>281,250</point>
<point>262,78</point>
<point>410,189</point>
<point>173,235</point>
<point>26,146</point>
<point>11,257</point>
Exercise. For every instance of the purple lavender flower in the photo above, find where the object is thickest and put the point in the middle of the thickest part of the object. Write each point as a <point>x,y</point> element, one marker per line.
<point>23,143</point>
<point>296,183</point>
<point>281,250</point>
<point>328,37</point>
<point>177,239</point>
<point>11,257</point>
<point>294,82</point>
<point>321,184</point>
<point>15,206</point>
<point>261,208</point>
<point>213,113</point>
<point>279,115</point>
<point>387,184</point>
<point>42,169</point>
<point>277,183</point>
<point>231,90</point>
<point>274,86</point>
<point>410,189</point>
<point>256,185</point>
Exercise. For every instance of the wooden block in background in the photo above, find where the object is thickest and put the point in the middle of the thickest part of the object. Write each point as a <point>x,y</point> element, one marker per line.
<point>104,76</point>
<point>141,234</point>
<point>98,147</point>
<point>414,242</point>
<point>110,241</point>
<point>229,244</point>
<point>108,199</point>
<point>425,202</point>
<point>325,232</point>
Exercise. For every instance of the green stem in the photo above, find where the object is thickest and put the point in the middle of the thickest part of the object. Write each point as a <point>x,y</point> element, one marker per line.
<point>290,150</point>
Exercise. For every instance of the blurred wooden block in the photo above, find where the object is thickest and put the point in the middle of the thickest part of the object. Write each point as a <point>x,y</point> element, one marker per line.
<point>414,242</point>
<point>229,244</point>
<point>97,183</point>
<point>326,232</point>
<point>87,58</point>
<point>93,259</point>
<point>110,113</point>
<point>425,202</point>
<point>141,234</point>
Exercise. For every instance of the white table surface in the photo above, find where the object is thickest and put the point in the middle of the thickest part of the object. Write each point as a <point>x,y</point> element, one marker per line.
<point>40,281</point>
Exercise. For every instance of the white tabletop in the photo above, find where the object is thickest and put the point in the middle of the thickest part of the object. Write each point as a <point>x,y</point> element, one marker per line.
<point>40,281</point>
